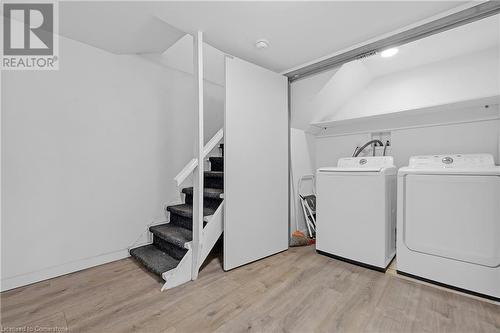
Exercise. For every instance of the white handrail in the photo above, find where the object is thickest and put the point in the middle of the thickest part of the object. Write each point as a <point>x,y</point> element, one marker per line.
<point>189,168</point>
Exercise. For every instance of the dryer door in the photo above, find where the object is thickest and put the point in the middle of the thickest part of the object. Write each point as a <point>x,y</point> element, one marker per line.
<point>453,216</point>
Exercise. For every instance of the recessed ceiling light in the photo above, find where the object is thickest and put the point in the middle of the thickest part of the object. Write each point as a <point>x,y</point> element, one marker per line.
<point>262,44</point>
<point>389,52</point>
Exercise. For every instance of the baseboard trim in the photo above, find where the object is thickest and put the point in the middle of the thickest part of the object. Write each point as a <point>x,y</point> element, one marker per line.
<point>55,271</point>
<point>354,262</point>
<point>465,291</point>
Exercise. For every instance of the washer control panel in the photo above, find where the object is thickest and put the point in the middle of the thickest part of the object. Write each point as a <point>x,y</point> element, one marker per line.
<point>452,161</point>
<point>366,162</point>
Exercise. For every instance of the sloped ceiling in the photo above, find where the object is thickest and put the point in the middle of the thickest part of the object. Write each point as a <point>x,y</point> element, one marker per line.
<point>119,27</point>
<point>180,57</point>
<point>449,67</point>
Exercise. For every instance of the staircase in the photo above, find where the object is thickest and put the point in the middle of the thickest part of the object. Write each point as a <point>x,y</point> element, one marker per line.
<point>170,253</point>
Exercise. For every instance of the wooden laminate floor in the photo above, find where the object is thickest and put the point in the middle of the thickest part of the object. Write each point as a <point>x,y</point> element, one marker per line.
<point>294,291</point>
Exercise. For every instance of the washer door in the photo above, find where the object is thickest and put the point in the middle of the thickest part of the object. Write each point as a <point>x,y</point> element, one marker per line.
<point>453,216</point>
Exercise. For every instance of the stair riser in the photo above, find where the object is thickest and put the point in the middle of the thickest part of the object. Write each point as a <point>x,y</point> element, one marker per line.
<point>173,250</point>
<point>182,221</point>
<point>214,182</point>
<point>207,202</point>
<point>216,164</point>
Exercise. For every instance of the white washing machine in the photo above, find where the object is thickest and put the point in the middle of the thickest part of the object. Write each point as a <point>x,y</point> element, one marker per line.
<point>449,222</point>
<point>356,211</point>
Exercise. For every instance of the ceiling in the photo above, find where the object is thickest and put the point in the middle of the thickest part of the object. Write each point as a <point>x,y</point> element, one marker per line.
<point>298,32</point>
<point>473,37</point>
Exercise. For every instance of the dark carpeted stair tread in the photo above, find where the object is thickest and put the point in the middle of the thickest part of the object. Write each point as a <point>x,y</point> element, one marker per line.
<point>212,193</point>
<point>186,210</point>
<point>154,259</point>
<point>172,233</point>
<point>214,174</point>
<point>216,158</point>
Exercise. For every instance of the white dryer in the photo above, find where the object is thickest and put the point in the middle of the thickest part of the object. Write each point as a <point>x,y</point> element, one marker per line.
<point>449,222</point>
<point>356,211</point>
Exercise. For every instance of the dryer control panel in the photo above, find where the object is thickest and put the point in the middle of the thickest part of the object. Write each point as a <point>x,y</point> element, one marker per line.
<point>461,161</point>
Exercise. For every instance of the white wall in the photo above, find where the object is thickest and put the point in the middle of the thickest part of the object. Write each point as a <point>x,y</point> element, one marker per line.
<point>342,88</point>
<point>180,57</point>
<point>303,94</point>
<point>89,153</point>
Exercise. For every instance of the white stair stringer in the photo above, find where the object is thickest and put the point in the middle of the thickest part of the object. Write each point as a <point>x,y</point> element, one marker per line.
<point>180,274</point>
<point>211,233</point>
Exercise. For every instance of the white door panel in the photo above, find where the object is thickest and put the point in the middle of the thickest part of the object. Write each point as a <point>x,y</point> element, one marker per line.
<point>255,163</point>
